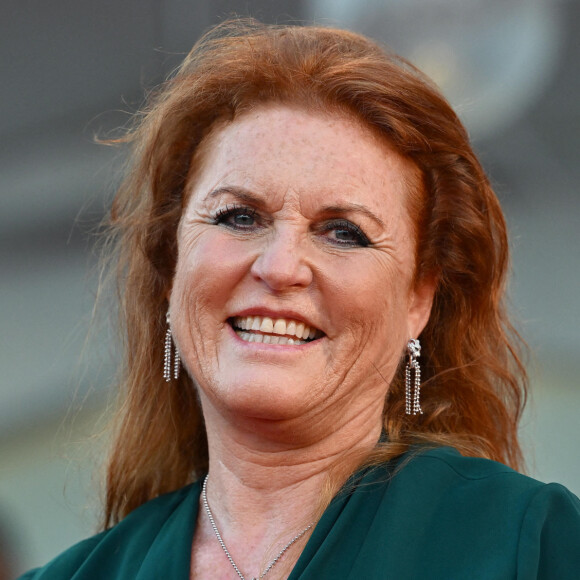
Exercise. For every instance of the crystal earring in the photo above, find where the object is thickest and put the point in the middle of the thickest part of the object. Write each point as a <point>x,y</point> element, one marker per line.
<point>413,390</point>
<point>167,358</point>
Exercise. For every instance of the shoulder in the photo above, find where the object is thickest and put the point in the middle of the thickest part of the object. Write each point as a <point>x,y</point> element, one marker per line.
<point>443,473</point>
<point>449,460</point>
<point>446,468</point>
<point>481,506</point>
<point>66,564</point>
<point>119,551</point>
<point>481,483</point>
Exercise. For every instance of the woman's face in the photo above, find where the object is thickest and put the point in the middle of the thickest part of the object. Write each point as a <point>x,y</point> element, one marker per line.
<point>293,294</point>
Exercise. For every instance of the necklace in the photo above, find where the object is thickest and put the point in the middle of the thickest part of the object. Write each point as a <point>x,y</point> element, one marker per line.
<point>223,545</point>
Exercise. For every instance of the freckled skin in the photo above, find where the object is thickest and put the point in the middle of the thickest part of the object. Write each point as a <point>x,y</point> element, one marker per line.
<point>297,163</point>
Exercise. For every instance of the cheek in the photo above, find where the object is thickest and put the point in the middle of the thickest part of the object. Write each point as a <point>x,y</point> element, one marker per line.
<point>371,300</point>
<point>206,272</point>
<point>372,290</point>
<point>207,268</point>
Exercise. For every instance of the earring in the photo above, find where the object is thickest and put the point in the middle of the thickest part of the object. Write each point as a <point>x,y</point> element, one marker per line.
<point>413,391</point>
<point>167,357</point>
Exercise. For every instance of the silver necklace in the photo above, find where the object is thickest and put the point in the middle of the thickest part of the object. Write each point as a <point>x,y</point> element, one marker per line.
<point>223,545</point>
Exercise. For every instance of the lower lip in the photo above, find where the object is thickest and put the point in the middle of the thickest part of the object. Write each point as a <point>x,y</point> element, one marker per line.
<point>273,347</point>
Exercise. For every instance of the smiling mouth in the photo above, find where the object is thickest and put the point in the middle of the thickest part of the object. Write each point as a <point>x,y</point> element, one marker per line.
<point>266,330</point>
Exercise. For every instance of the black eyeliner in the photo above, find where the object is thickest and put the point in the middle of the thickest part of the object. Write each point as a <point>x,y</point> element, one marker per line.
<point>353,229</point>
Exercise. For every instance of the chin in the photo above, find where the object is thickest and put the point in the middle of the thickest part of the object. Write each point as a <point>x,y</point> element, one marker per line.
<point>265,399</point>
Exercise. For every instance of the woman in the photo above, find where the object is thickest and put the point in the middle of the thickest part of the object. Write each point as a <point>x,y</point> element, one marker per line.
<point>306,229</point>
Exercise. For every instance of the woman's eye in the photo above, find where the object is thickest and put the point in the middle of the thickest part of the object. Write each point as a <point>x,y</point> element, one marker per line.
<point>345,233</point>
<point>239,218</point>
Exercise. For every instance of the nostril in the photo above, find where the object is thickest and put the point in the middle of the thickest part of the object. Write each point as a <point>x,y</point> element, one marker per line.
<point>286,272</point>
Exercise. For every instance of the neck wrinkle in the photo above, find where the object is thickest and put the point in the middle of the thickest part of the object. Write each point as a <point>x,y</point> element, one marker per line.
<point>263,490</point>
<point>263,483</point>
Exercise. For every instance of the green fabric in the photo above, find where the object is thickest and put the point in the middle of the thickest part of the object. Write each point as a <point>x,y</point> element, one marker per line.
<point>438,515</point>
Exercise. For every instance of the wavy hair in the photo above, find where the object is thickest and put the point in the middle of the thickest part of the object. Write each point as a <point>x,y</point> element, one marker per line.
<point>474,381</point>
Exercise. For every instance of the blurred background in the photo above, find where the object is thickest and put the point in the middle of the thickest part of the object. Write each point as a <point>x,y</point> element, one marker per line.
<point>73,70</point>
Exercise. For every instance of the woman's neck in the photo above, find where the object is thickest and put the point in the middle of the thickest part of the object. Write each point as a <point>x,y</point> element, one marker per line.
<point>264,475</point>
<point>266,482</point>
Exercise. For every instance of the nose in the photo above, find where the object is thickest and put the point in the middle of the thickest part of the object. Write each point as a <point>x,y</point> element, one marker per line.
<point>283,262</point>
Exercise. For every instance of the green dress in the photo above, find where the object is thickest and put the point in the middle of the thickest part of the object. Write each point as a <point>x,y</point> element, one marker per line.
<point>436,515</point>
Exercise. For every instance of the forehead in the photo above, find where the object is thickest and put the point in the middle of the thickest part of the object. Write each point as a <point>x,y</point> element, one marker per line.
<point>281,149</point>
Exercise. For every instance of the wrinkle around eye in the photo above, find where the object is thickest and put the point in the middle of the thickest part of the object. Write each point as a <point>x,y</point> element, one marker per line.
<point>195,216</point>
<point>186,241</point>
<point>391,258</point>
<point>192,227</point>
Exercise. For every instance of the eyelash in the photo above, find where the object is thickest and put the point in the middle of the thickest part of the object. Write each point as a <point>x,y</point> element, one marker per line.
<point>222,215</point>
<point>342,224</point>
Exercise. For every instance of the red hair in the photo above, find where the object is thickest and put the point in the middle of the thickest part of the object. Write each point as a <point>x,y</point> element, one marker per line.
<point>474,382</point>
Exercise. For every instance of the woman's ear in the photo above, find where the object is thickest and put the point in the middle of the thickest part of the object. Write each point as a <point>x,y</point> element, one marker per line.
<point>420,303</point>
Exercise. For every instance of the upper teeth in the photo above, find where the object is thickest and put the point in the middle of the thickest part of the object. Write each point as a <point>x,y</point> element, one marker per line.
<point>281,326</point>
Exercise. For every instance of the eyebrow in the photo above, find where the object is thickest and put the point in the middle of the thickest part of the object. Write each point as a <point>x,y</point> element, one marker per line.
<point>353,207</point>
<point>249,197</point>
<point>239,192</point>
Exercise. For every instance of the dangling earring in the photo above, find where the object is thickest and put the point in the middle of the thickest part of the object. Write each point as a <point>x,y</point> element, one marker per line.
<point>413,392</point>
<point>167,358</point>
